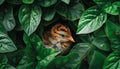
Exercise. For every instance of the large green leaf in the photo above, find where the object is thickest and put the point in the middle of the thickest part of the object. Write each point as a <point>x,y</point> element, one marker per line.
<point>7,18</point>
<point>28,1</point>
<point>48,13</point>
<point>97,60</point>
<point>66,1</point>
<point>28,61</point>
<point>91,20</point>
<point>112,61</point>
<point>72,60</point>
<point>71,12</point>
<point>112,31</point>
<point>1,1</point>
<point>47,3</point>
<point>112,8</point>
<point>30,17</point>
<point>42,54</point>
<point>6,44</point>
<point>101,43</point>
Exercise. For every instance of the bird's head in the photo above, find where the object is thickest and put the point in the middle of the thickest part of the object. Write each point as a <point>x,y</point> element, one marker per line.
<point>61,33</point>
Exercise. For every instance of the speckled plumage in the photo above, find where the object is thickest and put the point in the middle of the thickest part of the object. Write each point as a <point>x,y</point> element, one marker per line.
<point>59,37</point>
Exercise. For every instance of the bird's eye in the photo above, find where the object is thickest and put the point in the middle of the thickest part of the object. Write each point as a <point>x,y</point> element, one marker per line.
<point>64,36</point>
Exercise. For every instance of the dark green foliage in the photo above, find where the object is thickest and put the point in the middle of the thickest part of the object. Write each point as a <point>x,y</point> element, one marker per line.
<point>95,26</point>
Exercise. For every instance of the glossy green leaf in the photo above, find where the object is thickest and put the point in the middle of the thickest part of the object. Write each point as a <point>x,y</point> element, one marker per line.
<point>7,18</point>
<point>1,1</point>
<point>28,61</point>
<point>49,55</point>
<point>112,61</point>
<point>28,1</point>
<point>101,43</point>
<point>71,12</point>
<point>66,1</point>
<point>111,9</point>
<point>113,32</point>
<point>6,44</point>
<point>30,17</point>
<point>47,3</point>
<point>72,60</point>
<point>44,55</point>
<point>48,13</point>
<point>91,20</point>
<point>97,60</point>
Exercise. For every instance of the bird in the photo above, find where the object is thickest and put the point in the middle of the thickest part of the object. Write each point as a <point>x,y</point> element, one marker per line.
<point>58,37</point>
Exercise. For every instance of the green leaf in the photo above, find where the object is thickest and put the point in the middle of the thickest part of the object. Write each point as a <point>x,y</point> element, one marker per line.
<point>3,61</point>
<point>47,23</point>
<point>2,29</point>
<point>112,61</point>
<point>44,55</point>
<point>117,3</point>
<point>100,2</point>
<point>66,1</point>
<point>29,48</point>
<point>103,2</point>
<point>47,3</point>
<point>91,20</point>
<point>1,1</point>
<point>72,60</point>
<point>30,17</point>
<point>97,60</point>
<point>100,32</point>
<point>101,43</point>
<point>7,18</point>
<point>71,12</point>
<point>28,1</point>
<point>49,55</point>
<point>6,44</point>
<point>26,63</point>
<point>111,9</point>
<point>112,31</point>
<point>15,57</point>
<point>9,67</point>
<point>48,13</point>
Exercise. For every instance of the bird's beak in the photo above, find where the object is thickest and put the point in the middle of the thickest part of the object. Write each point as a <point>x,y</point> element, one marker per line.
<point>71,39</point>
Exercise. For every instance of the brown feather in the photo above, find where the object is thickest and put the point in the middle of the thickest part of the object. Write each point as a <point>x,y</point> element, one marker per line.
<point>53,37</point>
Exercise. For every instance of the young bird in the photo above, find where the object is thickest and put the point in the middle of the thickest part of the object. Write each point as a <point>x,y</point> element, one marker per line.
<point>59,37</point>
